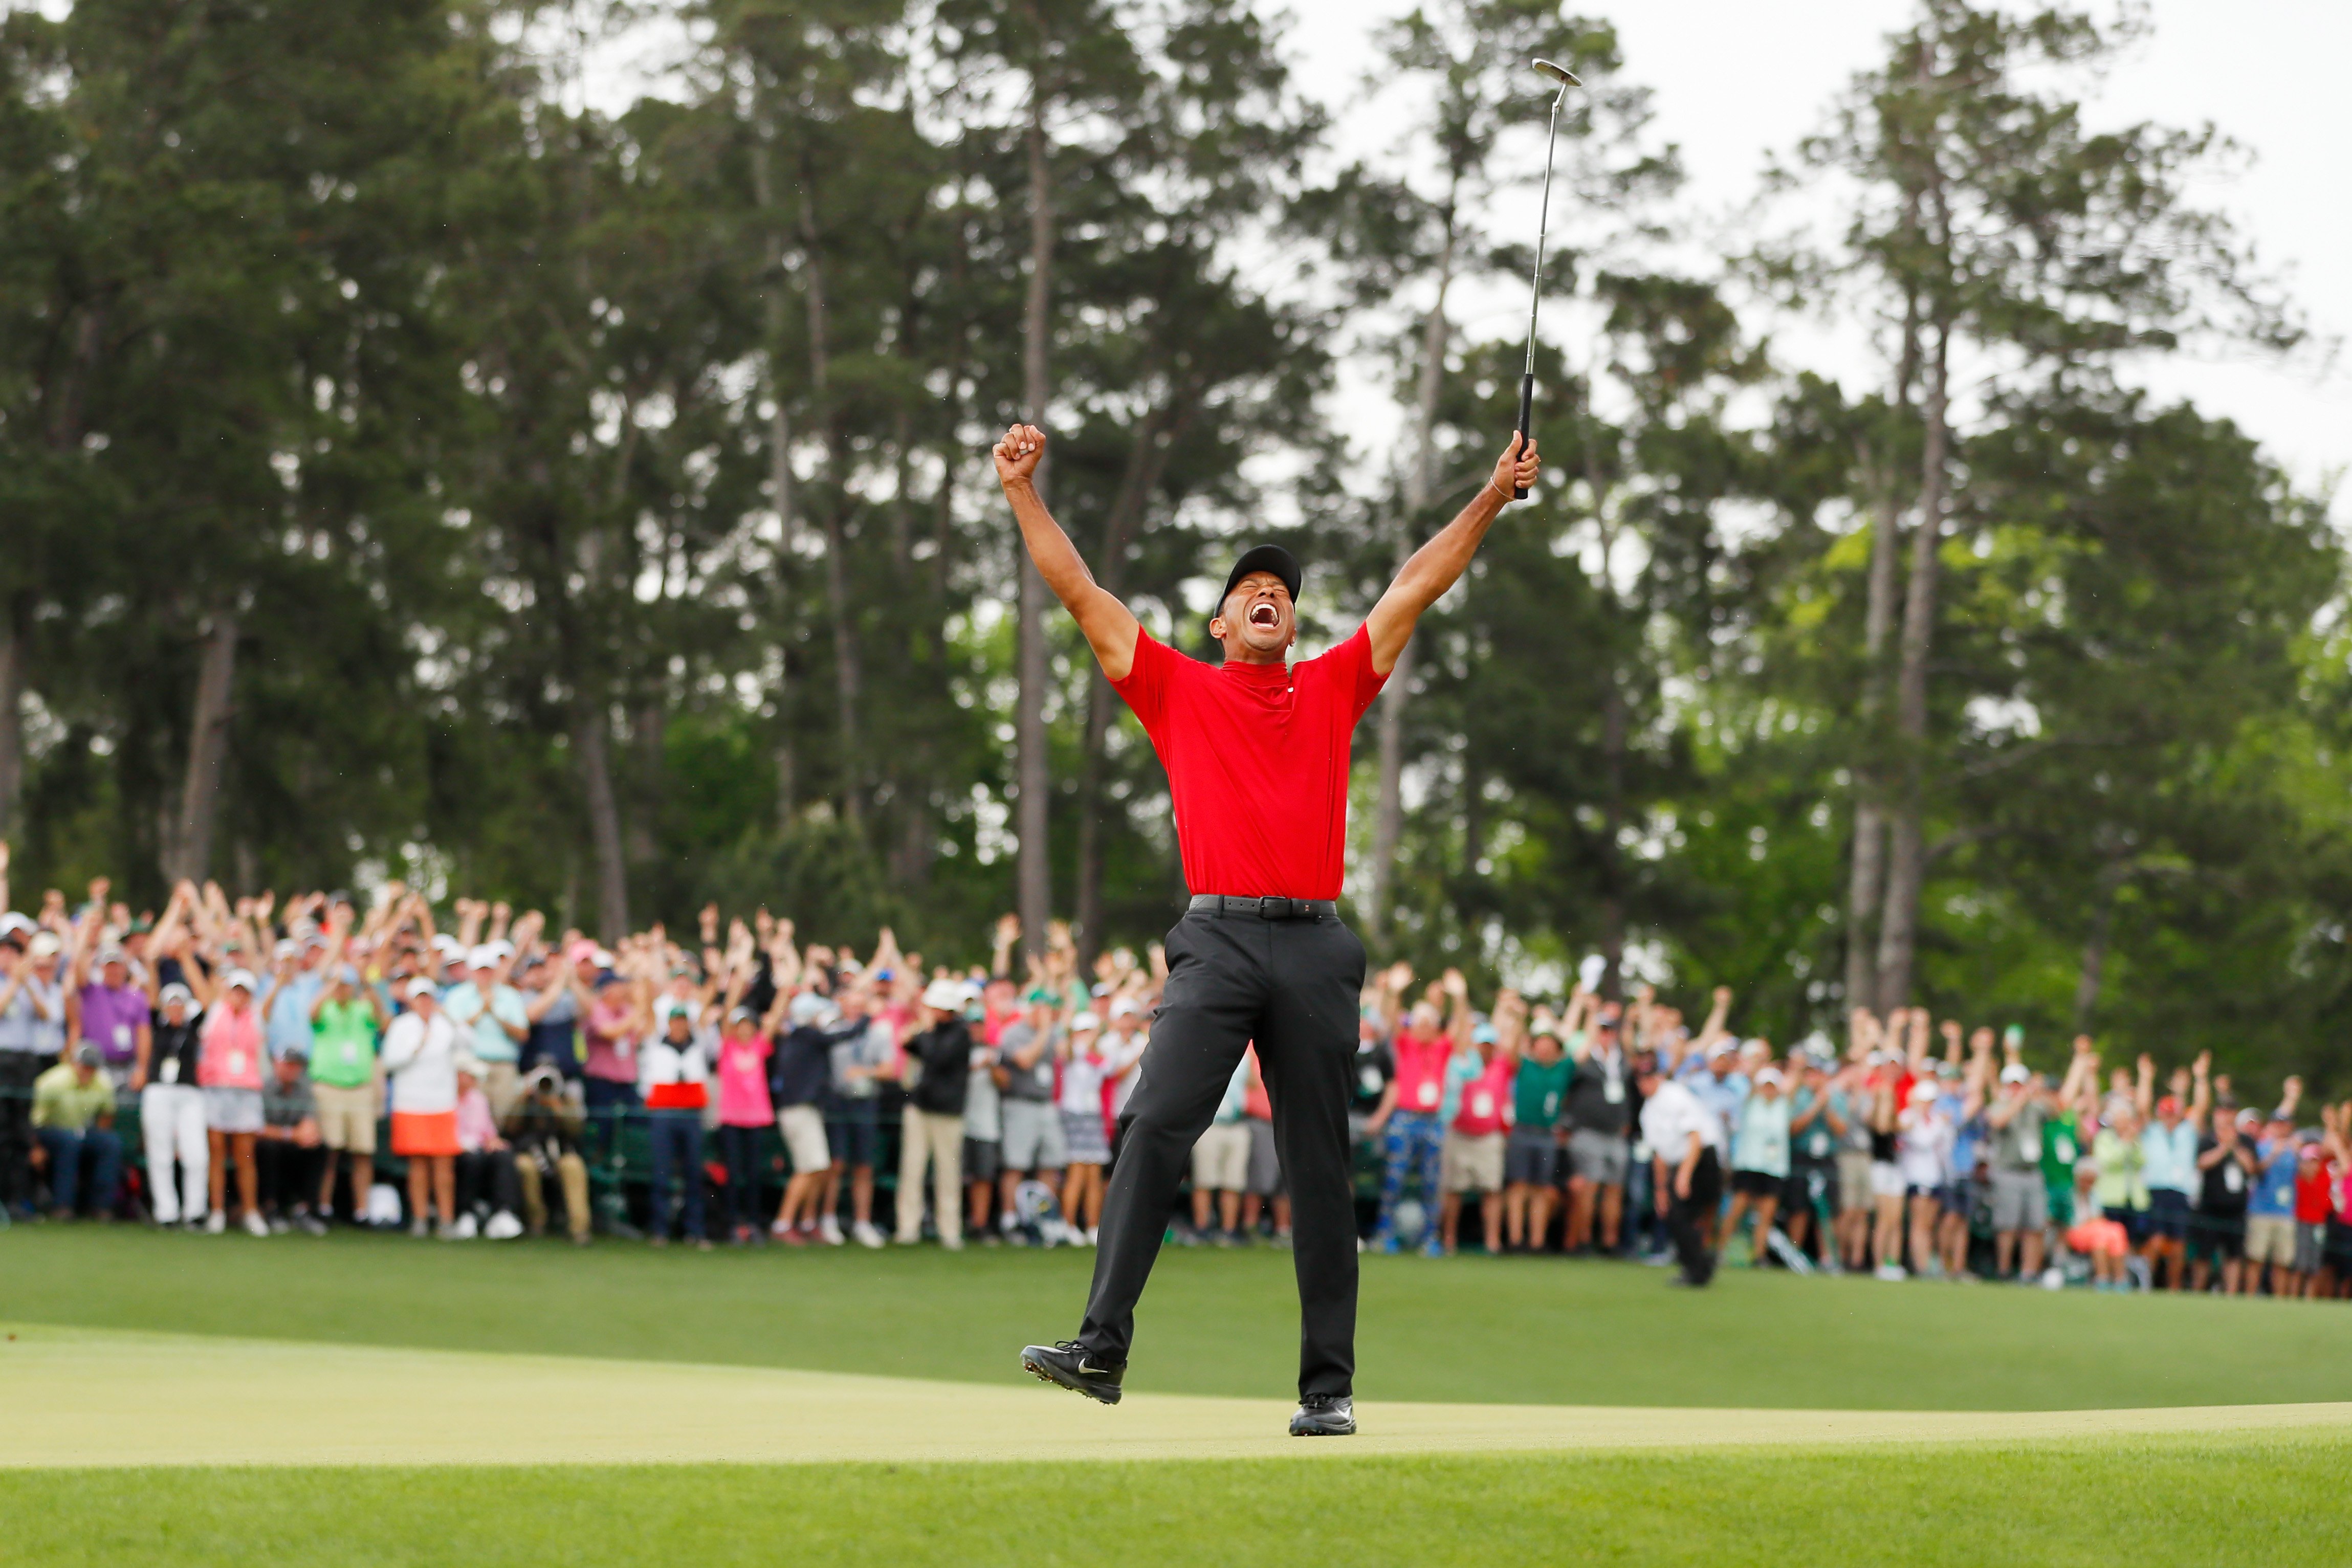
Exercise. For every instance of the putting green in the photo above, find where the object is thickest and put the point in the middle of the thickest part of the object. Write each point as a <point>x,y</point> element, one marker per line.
<point>79,1398</point>
<point>1513,1331</point>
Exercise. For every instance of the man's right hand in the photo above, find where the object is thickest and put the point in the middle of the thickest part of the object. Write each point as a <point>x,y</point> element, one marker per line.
<point>1018,454</point>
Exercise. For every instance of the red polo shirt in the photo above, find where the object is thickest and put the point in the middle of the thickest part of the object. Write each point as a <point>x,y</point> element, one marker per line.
<point>1257,762</point>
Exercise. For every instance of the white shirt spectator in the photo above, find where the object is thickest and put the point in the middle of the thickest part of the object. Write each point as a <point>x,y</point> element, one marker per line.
<point>1671,1115</point>
<point>420,1056</point>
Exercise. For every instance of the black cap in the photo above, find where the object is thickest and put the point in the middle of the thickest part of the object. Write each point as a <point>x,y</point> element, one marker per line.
<point>1262,558</point>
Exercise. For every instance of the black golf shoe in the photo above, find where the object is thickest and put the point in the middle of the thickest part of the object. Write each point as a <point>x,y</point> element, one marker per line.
<point>1324,1416</point>
<point>1067,1363</point>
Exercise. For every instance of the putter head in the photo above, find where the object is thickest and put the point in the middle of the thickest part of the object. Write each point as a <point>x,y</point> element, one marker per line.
<point>1560,74</point>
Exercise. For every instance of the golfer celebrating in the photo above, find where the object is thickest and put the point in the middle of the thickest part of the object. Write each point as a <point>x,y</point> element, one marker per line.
<point>1256,755</point>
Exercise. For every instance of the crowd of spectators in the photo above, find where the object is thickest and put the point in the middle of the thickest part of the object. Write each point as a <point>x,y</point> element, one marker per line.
<point>280,1062</point>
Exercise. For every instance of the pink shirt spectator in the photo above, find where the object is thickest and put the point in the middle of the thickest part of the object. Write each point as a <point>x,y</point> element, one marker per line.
<point>1255,1105</point>
<point>232,1050</point>
<point>1485,1098</point>
<point>605,1029</point>
<point>1420,1070</point>
<point>476,1128</point>
<point>743,1081</point>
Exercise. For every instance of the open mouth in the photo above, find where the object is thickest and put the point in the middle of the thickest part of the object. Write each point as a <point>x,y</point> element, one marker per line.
<point>1264,615</point>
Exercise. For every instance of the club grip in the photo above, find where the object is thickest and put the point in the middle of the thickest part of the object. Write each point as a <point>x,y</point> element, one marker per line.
<point>1527,425</point>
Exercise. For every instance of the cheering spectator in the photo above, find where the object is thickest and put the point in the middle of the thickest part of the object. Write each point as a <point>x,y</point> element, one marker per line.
<point>2169,1145</point>
<point>2226,1167</point>
<point>493,1020</point>
<point>2270,1206</point>
<point>1264,1188</point>
<point>2118,1163</point>
<point>110,1011</point>
<point>2315,1204</point>
<point>346,1017</point>
<point>172,1109</point>
<point>803,1068</point>
<point>288,1151</point>
<point>983,1109</point>
<point>1817,1121</point>
<point>296,980</point>
<point>1531,1155</point>
<point>30,1009</point>
<point>1924,1134</point>
<point>73,1120</point>
<point>1759,1159</point>
<point>1408,1119</point>
<point>1086,1140</point>
<point>1033,1138</point>
<point>229,1067</point>
<point>1600,1112</point>
<point>1476,1110</point>
<point>617,1021</point>
<point>673,1070</point>
<point>1221,1164</point>
<point>864,1048</point>
<point>1887,1182</point>
<point>939,1060</point>
<point>489,1187</point>
<point>420,1052</point>
<point>744,1112</point>
<point>2021,1202</point>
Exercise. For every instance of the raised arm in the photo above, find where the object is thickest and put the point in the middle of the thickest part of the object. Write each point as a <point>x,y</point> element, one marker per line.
<point>1109,626</point>
<point>1439,564</point>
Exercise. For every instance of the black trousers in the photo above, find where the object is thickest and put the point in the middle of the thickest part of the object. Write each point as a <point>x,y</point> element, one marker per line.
<point>289,1175</point>
<point>1291,985</point>
<point>1685,1214</point>
<point>17,1071</point>
<point>488,1175</point>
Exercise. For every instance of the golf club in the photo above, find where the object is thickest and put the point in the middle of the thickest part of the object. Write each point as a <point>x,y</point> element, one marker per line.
<point>1567,79</point>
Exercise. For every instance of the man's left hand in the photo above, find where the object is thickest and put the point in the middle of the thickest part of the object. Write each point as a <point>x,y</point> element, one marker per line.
<point>1515,470</point>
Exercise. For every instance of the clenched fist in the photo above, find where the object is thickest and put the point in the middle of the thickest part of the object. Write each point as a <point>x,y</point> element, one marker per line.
<point>1514,470</point>
<point>1017,454</point>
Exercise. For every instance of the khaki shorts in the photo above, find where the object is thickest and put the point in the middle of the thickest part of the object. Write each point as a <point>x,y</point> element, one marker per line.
<point>1221,1160</point>
<point>1854,1180</point>
<point>803,1130</point>
<point>2270,1239</point>
<point>346,1117</point>
<point>1471,1164</point>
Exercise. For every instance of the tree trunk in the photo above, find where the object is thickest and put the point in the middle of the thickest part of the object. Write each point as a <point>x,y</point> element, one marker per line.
<point>646,731</point>
<point>191,849</point>
<point>1906,860</point>
<point>845,672</point>
<point>1036,867</point>
<point>14,649</point>
<point>1146,461</point>
<point>2095,953</point>
<point>1866,887</point>
<point>1419,487</point>
<point>589,742</point>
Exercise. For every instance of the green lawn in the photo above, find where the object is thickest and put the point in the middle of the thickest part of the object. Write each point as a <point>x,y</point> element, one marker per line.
<point>2149,1502</point>
<point>1470,1329</point>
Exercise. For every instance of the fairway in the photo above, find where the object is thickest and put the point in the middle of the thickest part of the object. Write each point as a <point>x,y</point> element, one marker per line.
<point>375,1400</point>
<point>1527,1331</point>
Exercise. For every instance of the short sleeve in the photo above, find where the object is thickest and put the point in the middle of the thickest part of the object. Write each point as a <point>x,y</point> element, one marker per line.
<point>1150,679</point>
<point>1348,668</point>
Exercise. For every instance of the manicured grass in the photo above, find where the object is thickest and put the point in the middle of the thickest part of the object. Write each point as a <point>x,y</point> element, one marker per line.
<point>2149,1503</point>
<point>1470,1329</point>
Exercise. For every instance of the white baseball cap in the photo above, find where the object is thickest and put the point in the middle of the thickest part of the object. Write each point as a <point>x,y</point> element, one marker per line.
<point>2015,1073</point>
<point>483,958</point>
<point>944,995</point>
<point>240,979</point>
<point>1086,1019</point>
<point>421,987</point>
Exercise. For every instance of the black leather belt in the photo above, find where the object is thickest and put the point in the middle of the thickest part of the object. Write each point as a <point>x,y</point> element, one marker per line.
<point>1266,908</point>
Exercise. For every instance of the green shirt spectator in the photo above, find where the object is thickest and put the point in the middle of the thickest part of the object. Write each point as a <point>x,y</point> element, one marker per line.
<point>1539,1090</point>
<point>70,1097</point>
<point>342,1044</point>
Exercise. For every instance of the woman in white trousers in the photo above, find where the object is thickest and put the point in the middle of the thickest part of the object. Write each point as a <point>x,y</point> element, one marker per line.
<point>172,1110</point>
